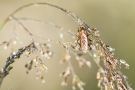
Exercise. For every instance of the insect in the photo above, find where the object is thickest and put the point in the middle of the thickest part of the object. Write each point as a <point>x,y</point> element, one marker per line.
<point>83,39</point>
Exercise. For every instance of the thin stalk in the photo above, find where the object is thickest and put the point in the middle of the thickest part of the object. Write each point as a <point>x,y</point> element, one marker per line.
<point>72,15</point>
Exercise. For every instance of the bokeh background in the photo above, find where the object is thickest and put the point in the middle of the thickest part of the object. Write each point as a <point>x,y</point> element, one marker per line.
<point>114,19</point>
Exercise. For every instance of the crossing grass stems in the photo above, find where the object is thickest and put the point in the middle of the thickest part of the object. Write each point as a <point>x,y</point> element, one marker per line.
<point>86,40</point>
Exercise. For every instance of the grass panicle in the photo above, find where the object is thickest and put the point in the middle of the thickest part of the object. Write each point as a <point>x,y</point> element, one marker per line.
<point>86,40</point>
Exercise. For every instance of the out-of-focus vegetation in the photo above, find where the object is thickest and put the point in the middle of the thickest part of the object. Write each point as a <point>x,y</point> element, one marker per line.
<point>114,19</point>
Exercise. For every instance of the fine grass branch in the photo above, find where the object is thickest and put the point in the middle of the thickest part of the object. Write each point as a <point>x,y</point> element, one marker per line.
<point>86,40</point>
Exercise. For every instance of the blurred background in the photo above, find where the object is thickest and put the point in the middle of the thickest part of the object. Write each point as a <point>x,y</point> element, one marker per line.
<point>114,19</point>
